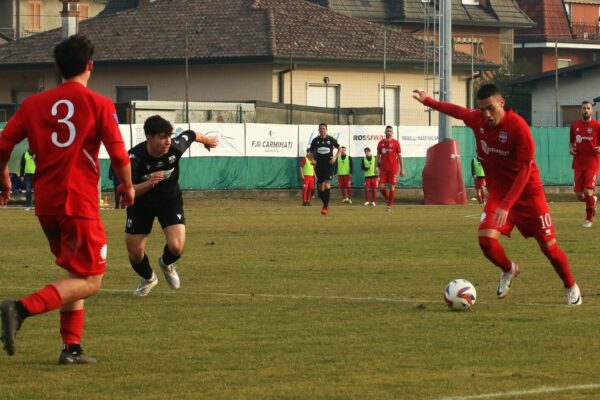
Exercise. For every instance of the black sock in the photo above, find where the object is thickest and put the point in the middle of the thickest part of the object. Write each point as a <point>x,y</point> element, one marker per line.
<point>143,268</point>
<point>21,310</point>
<point>169,258</point>
<point>73,348</point>
<point>326,197</point>
<point>320,193</point>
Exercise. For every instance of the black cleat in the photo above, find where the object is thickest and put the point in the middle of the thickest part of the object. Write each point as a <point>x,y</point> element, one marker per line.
<point>74,357</point>
<point>11,323</point>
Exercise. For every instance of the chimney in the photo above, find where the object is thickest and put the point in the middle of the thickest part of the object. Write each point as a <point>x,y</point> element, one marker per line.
<point>70,18</point>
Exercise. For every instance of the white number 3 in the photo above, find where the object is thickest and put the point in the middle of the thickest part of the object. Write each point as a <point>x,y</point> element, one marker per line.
<point>65,120</point>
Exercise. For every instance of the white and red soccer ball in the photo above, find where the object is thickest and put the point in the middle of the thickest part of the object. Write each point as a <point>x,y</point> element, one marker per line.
<point>460,294</point>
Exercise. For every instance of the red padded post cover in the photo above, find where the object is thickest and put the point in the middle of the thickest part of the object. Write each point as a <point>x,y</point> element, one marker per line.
<point>442,175</point>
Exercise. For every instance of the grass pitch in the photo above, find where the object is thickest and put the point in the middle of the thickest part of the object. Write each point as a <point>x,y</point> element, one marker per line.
<point>290,304</point>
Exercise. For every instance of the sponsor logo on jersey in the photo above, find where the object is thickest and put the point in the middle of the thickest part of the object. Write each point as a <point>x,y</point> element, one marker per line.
<point>323,150</point>
<point>487,150</point>
<point>167,174</point>
<point>172,159</point>
<point>179,216</point>
<point>384,150</point>
<point>129,222</point>
<point>503,137</point>
<point>159,164</point>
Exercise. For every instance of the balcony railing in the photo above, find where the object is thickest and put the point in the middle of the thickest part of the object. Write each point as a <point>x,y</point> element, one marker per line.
<point>586,31</point>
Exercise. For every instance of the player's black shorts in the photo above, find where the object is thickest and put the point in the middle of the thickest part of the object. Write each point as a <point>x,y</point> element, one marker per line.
<point>140,216</point>
<point>324,171</point>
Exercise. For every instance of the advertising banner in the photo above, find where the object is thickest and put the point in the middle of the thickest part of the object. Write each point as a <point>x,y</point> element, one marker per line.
<point>415,140</point>
<point>269,140</point>
<point>125,133</point>
<point>308,132</point>
<point>231,140</point>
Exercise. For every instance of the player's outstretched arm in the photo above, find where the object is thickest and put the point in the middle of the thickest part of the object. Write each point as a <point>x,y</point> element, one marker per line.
<point>5,185</point>
<point>453,110</point>
<point>209,142</point>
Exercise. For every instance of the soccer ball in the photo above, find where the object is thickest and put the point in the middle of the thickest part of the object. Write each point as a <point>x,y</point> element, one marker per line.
<point>460,294</point>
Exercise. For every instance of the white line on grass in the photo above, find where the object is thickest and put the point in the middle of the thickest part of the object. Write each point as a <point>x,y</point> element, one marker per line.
<point>521,393</point>
<point>305,297</point>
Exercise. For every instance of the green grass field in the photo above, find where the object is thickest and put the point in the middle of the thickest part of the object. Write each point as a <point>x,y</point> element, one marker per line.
<point>289,304</point>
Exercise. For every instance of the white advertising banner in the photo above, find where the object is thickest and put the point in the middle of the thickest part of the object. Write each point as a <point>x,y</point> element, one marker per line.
<point>415,140</point>
<point>269,140</point>
<point>125,133</point>
<point>308,132</point>
<point>362,136</point>
<point>231,140</point>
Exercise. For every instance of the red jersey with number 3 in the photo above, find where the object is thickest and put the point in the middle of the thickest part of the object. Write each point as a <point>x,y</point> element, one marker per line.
<point>64,127</point>
<point>584,136</point>
<point>389,150</point>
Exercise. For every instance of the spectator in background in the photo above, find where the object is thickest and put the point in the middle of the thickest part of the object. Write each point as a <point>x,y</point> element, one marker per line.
<point>479,179</point>
<point>27,173</point>
<point>369,165</point>
<point>307,174</point>
<point>115,180</point>
<point>344,171</point>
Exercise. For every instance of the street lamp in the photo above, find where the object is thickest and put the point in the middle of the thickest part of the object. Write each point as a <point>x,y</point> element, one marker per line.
<point>326,82</point>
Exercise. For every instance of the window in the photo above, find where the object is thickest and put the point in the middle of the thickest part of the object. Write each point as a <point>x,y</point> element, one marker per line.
<point>564,62</point>
<point>316,95</point>
<point>125,94</point>
<point>34,15</point>
<point>391,104</point>
<point>84,11</point>
<point>470,2</point>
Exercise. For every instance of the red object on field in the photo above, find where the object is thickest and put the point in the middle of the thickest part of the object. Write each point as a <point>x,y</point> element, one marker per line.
<point>442,175</point>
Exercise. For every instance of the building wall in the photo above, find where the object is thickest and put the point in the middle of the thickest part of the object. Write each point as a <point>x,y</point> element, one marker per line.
<point>572,91</point>
<point>576,57</point>
<point>585,13</point>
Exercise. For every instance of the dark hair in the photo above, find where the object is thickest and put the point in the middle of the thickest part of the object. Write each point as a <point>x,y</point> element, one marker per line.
<point>487,91</point>
<point>155,125</point>
<point>307,149</point>
<point>342,147</point>
<point>323,124</point>
<point>587,102</point>
<point>367,149</point>
<point>389,127</point>
<point>72,55</point>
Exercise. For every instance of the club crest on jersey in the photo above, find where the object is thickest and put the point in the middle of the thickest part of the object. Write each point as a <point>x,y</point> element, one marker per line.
<point>578,139</point>
<point>172,159</point>
<point>589,130</point>
<point>503,137</point>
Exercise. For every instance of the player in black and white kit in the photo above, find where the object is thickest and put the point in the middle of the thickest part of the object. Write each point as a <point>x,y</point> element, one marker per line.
<point>155,175</point>
<point>322,147</point>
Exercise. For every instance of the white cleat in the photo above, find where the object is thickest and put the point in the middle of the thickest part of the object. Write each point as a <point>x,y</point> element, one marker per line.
<point>505,281</point>
<point>367,203</point>
<point>171,274</point>
<point>373,204</point>
<point>573,295</point>
<point>349,201</point>
<point>345,200</point>
<point>587,224</point>
<point>388,208</point>
<point>146,286</point>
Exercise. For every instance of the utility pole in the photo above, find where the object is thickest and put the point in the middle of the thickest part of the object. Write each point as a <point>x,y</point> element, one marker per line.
<point>384,75</point>
<point>556,80</point>
<point>445,66</point>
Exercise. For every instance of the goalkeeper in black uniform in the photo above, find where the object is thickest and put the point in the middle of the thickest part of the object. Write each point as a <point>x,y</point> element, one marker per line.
<point>155,175</point>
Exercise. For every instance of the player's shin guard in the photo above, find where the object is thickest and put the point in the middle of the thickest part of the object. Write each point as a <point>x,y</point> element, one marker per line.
<point>42,301</point>
<point>326,197</point>
<point>391,197</point>
<point>143,268</point>
<point>168,257</point>
<point>493,251</point>
<point>384,192</point>
<point>321,195</point>
<point>560,262</point>
<point>71,326</point>
<point>590,204</point>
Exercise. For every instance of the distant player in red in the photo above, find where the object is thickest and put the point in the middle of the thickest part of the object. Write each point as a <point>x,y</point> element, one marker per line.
<point>64,127</point>
<point>307,174</point>
<point>583,145</point>
<point>389,159</point>
<point>516,197</point>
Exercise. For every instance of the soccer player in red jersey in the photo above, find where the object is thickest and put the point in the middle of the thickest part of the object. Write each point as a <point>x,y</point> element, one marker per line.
<point>389,157</point>
<point>64,127</point>
<point>516,196</point>
<point>583,145</point>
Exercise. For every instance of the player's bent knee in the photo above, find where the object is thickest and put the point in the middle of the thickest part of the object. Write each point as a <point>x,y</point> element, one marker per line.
<point>487,243</point>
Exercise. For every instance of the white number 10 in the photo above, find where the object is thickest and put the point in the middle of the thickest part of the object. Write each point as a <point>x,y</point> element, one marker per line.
<point>65,120</point>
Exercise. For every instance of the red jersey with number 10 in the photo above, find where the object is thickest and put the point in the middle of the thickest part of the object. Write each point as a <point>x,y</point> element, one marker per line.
<point>64,127</point>
<point>584,136</point>
<point>389,150</point>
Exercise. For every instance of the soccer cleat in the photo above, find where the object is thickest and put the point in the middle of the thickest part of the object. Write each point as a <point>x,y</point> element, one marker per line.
<point>388,208</point>
<point>325,210</point>
<point>171,274</point>
<point>587,224</point>
<point>11,323</point>
<point>345,200</point>
<point>304,204</point>
<point>573,295</point>
<point>146,286</point>
<point>75,357</point>
<point>367,203</point>
<point>373,204</point>
<point>505,281</point>
<point>349,200</point>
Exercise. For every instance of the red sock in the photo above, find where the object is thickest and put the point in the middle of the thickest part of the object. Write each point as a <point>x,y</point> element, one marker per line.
<point>349,191</point>
<point>384,192</point>
<point>367,194</point>
<point>373,195</point>
<point>42,301</point>
<point>590,203</point>
<point>391,198</point>
<point>560,262</point>
<point>493,251</point>
<point>71,326</point>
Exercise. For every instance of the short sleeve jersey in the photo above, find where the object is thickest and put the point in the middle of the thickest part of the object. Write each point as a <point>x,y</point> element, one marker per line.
<point>143,165</point>
<point>64,127</point>
<point>389,150</point>
<point>323,148</point>
<point>584,136</point>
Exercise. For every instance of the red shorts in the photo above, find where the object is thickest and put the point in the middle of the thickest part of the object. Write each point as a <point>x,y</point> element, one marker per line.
<point>78,244</point>
<point>309,182</point>
<point>479,182</point>
<point>585,179</point>
<point>390,177</point>
<point>371,182</point>
<point>531,216</point>
<point>344,181</point>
